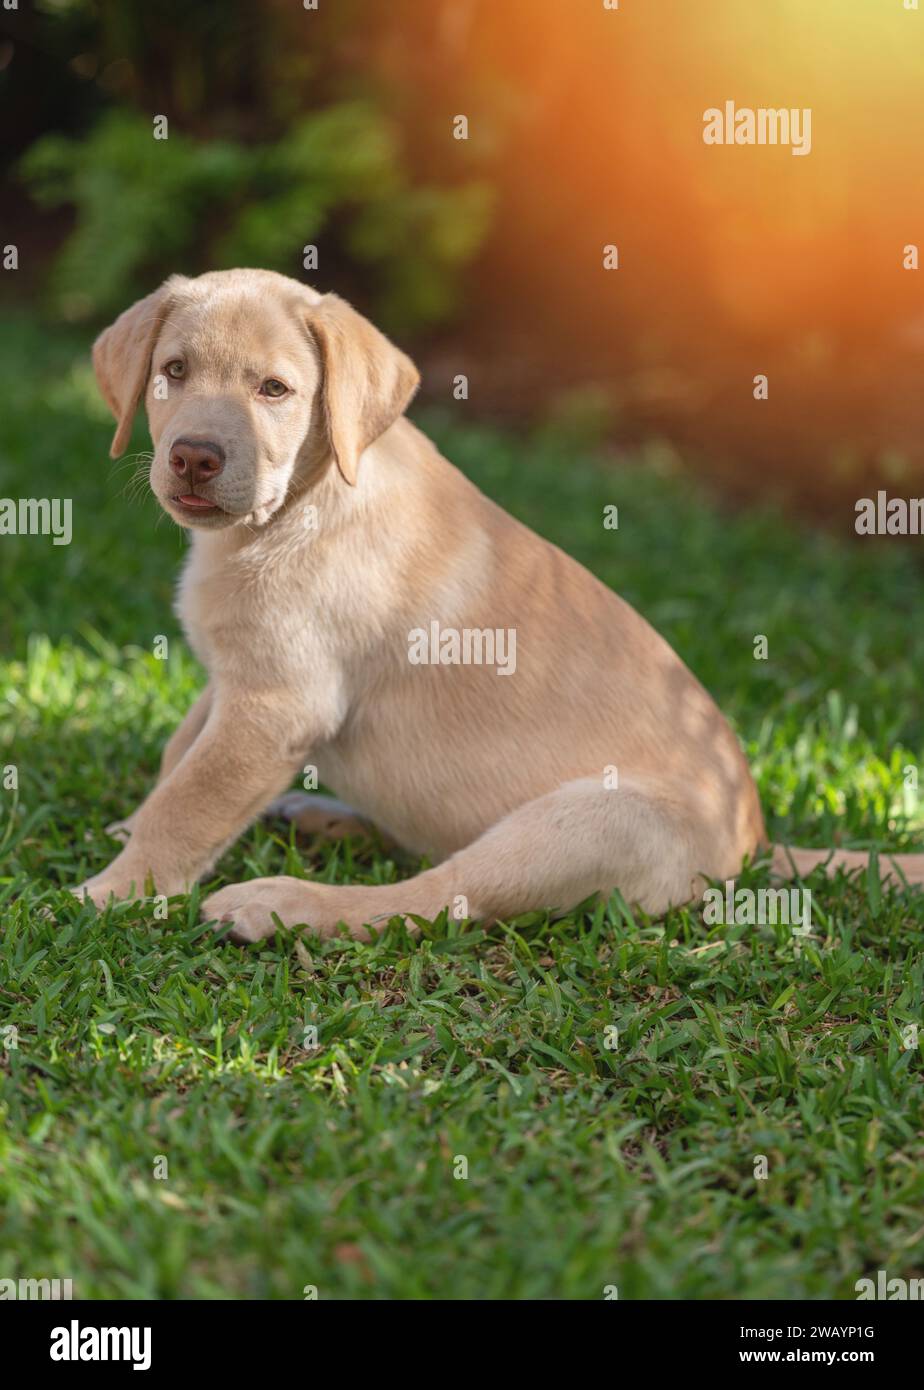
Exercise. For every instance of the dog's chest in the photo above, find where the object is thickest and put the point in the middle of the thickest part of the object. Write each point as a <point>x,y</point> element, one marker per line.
<point>202,597</point>
<point>229,619</point>
<point>249,627</point>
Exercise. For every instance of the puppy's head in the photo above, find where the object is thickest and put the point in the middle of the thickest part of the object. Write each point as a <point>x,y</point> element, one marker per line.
<point>252,383</point>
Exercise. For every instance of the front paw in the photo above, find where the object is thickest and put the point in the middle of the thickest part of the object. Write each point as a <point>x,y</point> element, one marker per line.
<point>104,887</point>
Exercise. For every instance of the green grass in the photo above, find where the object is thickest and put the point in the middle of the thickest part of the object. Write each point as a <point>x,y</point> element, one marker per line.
<point>140,1039</point>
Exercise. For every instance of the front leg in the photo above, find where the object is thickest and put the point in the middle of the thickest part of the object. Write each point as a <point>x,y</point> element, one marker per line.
<point>244,756</point>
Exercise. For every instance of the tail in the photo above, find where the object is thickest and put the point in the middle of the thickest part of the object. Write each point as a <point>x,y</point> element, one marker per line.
<point>903,870</point>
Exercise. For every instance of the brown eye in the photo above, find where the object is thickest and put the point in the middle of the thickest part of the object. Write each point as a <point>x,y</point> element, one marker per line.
<point>273,387</point>
<point>176,369</point>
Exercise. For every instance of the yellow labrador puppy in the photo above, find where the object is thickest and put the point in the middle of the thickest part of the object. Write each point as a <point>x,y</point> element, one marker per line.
<point>362,609</point>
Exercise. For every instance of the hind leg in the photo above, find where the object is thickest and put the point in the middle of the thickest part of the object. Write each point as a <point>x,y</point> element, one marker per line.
<point>551,853</point>
<point>316,814</point>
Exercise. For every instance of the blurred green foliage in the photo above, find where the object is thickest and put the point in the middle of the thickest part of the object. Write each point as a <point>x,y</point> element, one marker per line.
<point>146,207</point>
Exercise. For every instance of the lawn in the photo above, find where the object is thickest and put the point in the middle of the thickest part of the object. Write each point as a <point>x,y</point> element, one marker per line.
<point>464,1126</point>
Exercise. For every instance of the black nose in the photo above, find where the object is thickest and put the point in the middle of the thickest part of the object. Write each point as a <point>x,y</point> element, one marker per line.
<point>196,460</point>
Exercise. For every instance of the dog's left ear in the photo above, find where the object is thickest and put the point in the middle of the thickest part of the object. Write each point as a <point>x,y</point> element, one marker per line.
<point>122,358</point>
<point>368,382</point>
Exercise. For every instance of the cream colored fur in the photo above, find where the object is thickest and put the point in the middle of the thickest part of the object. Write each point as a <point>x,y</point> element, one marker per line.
<point>505,781</point>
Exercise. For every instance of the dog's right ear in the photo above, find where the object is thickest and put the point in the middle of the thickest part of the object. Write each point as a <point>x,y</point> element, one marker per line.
<point>122,358</point>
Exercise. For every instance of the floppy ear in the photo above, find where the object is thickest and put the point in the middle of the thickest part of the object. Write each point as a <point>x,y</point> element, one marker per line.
<point>122,359</point>
<point>368,382</point>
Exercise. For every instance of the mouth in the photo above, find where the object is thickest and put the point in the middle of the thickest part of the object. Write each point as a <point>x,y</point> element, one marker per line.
<point>191,504</point>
